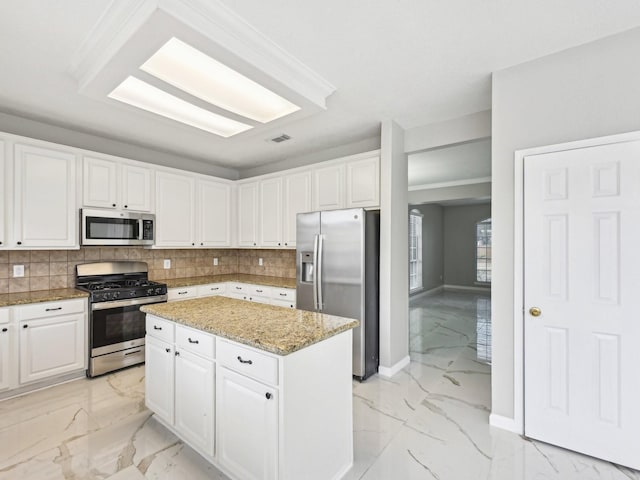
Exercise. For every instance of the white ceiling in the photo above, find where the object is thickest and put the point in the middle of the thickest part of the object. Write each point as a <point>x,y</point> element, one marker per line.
<point>414,61</point>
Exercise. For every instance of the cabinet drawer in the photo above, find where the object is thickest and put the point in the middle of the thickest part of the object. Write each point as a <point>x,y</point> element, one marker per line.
<point>160,328</point>
<point>259,291</point>
<point>50,309</point>
<point>287,294</point>
<point>4,315</point>
<point>247,361</point>
<point>283,303</point>
<point>212,289</point>
<point>238,288</point>
<point>195,341</point>
<point>181,293</point>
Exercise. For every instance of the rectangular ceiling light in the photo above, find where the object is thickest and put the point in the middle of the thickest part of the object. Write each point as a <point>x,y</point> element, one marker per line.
<point>142,95</point>
<point>198,74</point>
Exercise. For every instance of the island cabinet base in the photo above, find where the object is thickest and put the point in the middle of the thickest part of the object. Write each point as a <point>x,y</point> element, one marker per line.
<point>275,417</point>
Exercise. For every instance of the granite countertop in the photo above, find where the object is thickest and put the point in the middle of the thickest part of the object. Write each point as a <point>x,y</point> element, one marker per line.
<point>277,330</point>
<point>9,299</point>
<point>266,281</point>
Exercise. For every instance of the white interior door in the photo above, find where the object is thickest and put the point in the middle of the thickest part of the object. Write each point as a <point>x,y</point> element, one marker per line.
<point>582,270</point>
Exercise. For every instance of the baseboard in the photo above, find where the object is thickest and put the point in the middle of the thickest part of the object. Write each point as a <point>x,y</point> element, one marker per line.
<point>391,371</point>
<point>470,289</point>
<point>505,423</point>
<point>426,293</point>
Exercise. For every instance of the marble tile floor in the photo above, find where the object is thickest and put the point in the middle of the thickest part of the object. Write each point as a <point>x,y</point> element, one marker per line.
<point>430,421</point>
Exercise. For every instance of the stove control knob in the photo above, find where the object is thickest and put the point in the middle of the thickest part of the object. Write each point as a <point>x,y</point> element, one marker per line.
<point>150,291</point>
<point>114,295</point>
<point>132,293</point>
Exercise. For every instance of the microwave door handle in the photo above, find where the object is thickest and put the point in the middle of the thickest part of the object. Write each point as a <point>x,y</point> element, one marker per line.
<point>140,228</point>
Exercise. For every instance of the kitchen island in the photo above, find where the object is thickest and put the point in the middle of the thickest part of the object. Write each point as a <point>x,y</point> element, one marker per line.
<point>262,392</point>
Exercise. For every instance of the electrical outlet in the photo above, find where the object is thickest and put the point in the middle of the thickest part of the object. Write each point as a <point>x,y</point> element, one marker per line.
<point>260,261</point>
<point>18,271</point>
<point>167,263</point>
<point>215,261</point>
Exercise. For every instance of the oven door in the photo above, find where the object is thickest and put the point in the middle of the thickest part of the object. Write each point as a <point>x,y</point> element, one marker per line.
<point>118,325</point>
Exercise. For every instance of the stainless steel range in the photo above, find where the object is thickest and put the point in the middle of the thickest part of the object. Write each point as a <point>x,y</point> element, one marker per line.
<point>116,324</point>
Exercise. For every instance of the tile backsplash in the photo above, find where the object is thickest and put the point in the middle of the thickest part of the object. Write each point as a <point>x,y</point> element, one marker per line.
<point>50,269</point>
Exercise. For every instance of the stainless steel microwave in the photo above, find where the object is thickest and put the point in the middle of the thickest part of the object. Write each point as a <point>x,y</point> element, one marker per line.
<point>113,227</point>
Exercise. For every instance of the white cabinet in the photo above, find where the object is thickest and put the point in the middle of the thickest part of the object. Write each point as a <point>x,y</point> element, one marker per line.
<point>270,212</point>
<point>248,214</point>
<point>52,339</point>
<point>328,187</point>
<point>175,210</point>
<point>4,196</point>
<point>247,430</point>
<point>194,399</point>
<point>363,183</point>
<point>181,293</point>
<point>297,199</point>
<point>45,213</point>
<point>6,349</point>
<point>159,377</point>
<point>214,214</point>
<point>115,184</point>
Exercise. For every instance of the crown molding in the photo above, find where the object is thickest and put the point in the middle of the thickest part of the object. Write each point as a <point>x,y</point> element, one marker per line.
<point>455,183</point>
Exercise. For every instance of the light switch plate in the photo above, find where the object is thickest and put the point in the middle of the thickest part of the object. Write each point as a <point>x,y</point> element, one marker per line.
<point>215,261</point>
<point>167,263</point>
<point>18,271</point>
<point>260,261</point>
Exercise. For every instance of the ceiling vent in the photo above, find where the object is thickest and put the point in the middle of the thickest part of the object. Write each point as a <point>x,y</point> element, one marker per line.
<point>282,138</point>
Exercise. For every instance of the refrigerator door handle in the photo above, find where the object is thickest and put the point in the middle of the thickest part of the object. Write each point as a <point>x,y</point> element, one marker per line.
<point>319,270</point>
<point>315,272</point>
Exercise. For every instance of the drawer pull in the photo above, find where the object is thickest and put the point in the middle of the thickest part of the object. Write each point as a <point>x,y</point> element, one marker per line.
<point>258,291</point>
<point>25,326</point>
<point>238,288</point>
<point>283,294</point>
<point>182,293</point>
<point>193,341</point>
<point>5,329</point>
<point>168,350</point>
<point>131,353</point>
<point>215,288</point>
<point>268,395</point>
<point>52,309</point>
<point>177,353</point>
<point>155,327</point>
<point>249,362</point>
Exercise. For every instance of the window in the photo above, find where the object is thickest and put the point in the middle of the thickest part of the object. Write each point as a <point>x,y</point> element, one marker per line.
<point>415,251</point>
<point>483,251</point>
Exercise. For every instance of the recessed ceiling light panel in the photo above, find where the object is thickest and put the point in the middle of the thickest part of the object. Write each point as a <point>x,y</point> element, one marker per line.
<point>147,97</point>
<point>196,73</point>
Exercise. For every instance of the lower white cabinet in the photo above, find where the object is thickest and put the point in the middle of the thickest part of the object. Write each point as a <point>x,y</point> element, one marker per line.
<point>5,355</point>
<point>247,413</point>
<point>181,293</point>
<point>194,400</point>
<point>51,344</point>
<point>159,377</point>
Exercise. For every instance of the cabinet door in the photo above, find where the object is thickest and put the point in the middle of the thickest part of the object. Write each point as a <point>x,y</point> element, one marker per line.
<point>214,214</point>
<point>328,188</point>
<point>270,212</point>
<point>363,183</point>
<point>159,378</point>
<point>297,199</point>
<point>99,185</point>
<point>136,188</point>
<point>194,399</point>
<point>5,348</point>
<point>4,200</point>
<point>175,210</point>
<point>45,198</point>
<point>51,346</point>
<point>247,214</point>
<point>247,426</point>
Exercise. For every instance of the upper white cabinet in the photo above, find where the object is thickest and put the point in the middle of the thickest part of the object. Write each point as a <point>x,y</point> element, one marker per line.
<point>214,214</point>
<point>297,199</point>
<point>248,214</point>
<point>45,209</point>
<point>112,184</point>
<point>175,210</point>
<point>328,187</point>
<point>270,212</point>
<point>363,183</point>
<point>3,196</point>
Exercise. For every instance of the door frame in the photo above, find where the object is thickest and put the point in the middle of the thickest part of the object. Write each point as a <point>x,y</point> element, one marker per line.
<point>517,424</point>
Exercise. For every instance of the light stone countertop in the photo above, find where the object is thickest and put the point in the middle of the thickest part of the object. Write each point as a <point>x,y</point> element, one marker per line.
<point>266,281</point>
<point>38,296</point>
<point>274,329</point>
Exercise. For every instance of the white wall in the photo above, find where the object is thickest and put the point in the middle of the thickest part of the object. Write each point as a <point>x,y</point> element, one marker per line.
<point>588,91</point>
<point>394,251</point>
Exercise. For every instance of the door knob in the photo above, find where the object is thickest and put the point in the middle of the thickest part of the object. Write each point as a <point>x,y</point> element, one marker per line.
<point>535,311</point>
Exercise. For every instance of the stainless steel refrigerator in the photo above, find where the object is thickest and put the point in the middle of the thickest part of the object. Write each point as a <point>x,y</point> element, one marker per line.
<point>338,255</point>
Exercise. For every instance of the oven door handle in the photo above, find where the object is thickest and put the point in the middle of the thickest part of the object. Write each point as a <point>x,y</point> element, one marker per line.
<point>128,302</point>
